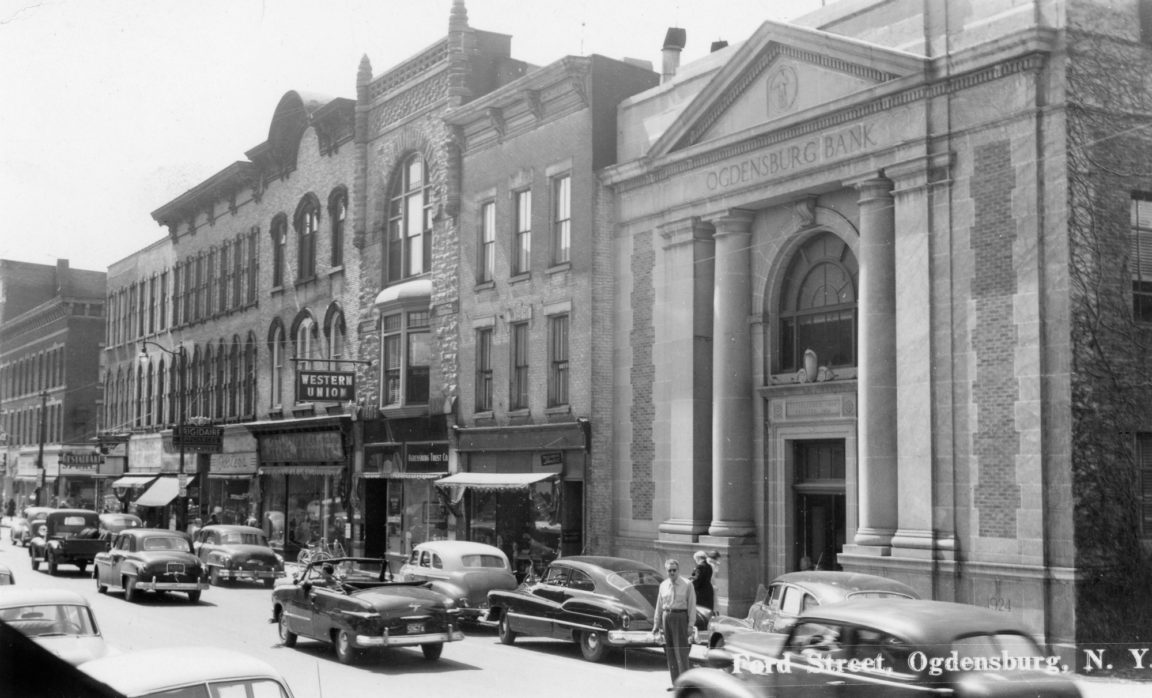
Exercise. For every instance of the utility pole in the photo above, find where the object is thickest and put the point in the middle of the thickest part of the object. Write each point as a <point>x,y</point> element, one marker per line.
<point>40,451</point>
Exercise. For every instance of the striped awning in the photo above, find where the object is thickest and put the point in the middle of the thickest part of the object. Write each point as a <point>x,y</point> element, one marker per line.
<point>134,481</point>
<point>161,492</point>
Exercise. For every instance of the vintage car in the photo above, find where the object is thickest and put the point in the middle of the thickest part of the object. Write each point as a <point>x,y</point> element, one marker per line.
<point>111,524</point>
<point>237,553</point>
<point>188,672</point>
<point>20,527</point>
<point>65,537</point>
<point>884,647</point>
<point>6,576</point>
<point>354,604</point>
<point>462,570</point>
<point>777,605</point>
<point>598,602</point>
<point>150,559</point>
<point>60,621</point>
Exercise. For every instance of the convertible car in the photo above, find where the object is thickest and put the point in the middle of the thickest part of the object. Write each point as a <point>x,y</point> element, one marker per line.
<point>777,605</point>
<point>236,553</point>
<point>462,570</point>
<point>353,604</point>
<point>58,620</point>
<point>599,602</point>
<point>150,559</point>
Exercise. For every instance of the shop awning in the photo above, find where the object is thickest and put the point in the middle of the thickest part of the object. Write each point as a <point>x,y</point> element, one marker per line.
<point>494,481</point>
<point>371,475</point>
<point>301,470</point>
<point>134,481</point>
<point>160,493</point>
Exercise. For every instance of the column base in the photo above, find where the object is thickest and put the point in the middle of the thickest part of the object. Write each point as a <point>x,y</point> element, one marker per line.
<point>873,538</point>
<point>738,574</point>
<point>923,545</point>
<point>732,529</point>
<point>683,528</point>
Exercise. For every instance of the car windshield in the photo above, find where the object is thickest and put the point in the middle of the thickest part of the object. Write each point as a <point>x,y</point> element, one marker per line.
<point>494,561</point>
<point>237,538</point>
<point>50,619</point>
<point>248,688</point>
<point>878,595</point>
<point>119,523</point>
<point>626,579</point>
<point>165,543</point>
<point>71,525</point>
<point>347,569</point>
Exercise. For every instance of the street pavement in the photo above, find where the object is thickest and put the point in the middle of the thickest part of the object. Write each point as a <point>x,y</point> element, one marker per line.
<point>237,616</point>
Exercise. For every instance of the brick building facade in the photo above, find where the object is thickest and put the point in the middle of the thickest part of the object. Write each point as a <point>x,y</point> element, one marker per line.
<point>51,328</point>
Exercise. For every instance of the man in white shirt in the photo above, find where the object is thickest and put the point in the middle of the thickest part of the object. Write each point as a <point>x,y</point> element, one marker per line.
<point>675,617</point>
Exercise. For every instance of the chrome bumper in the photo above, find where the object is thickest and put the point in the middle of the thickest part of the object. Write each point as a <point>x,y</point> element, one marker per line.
<point>249,574</point>
<point>632,638</point>
<point>402,640</point>
<point>170,586</point>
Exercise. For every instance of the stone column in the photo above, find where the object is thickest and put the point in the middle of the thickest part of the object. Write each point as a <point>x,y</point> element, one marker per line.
<point>686,351</point>
<point>732,388</point>
<point>877,369</point>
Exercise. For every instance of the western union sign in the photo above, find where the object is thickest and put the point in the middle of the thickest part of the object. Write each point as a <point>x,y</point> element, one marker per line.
<point>325,386</point>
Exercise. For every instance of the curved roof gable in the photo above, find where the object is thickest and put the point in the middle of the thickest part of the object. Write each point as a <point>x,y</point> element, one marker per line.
<point>296,111</point>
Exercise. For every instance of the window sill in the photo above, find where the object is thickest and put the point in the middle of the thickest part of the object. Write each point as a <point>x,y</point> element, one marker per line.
<point>305,281</point>
<point>276,290</point>
<point>560,267</point>
<point>558,409</point>
<point>338,269</point>
<point>484,414</point>
<point>522,412</point>
<point>485,286</point>
<point>521,277</point>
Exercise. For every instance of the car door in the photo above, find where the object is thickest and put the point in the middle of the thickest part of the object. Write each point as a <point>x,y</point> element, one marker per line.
<point>552,591</point>
<point>296,606</point>
<point>815,653</point>
<point>793,600</point>
<point>109,565</point>
<point>882,667</point>
<point>206,542</point>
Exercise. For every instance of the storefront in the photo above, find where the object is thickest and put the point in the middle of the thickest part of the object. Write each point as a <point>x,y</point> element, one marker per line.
<point>521,489</point>
<point>30,477</point>
<point>152,455</point>
<point>402,460</point>
<point>303,469</point>
<point>80,477</point>
<point>229,489</point>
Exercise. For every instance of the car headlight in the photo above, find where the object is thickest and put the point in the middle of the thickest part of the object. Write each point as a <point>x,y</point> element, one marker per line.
<point>42,531</point>
<point>279,559</point>
<point>462,601</point>
<point>220,559</point>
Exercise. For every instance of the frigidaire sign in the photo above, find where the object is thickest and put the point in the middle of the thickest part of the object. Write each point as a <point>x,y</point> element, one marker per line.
<point>325,386</point>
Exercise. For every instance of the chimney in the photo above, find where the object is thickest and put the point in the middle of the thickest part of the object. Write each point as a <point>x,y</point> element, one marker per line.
<point>63,278</point>
<point>717,45</point>
<point>674,42</point>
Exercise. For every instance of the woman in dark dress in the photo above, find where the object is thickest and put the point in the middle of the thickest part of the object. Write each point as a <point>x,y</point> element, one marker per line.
<point>702,581</point>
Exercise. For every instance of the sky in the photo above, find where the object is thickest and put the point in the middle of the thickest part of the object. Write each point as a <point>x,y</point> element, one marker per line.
<point>110,109</point>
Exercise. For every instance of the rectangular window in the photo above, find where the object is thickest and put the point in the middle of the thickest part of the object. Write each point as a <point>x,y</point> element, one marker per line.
<point>518,399</point>
<point>392,359</point>
<point>152,305</point>
<point>238,274</point>
<point>210,285</point>
<point>484,370</point>
<point>562,220</point>
<point>558,360</point>
<point>200,304</point>
<point>1140,258</point>
<point>163,301</point>
<point>419,357</point>
<point>253,265</point>
<point>225,277</point>
<point>522,248</point>
<point>339,213</point>
<point>1144,465</point>
<point>486,265</point>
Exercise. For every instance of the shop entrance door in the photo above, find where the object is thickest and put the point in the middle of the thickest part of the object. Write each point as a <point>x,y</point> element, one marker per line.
<point>819,526</point>
<point>375,517</point>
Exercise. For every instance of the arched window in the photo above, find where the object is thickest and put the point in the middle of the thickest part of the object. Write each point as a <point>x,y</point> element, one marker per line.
<point>150,398</point>
<point>250,376</point>
<point>161,394</point>
<point>409,248</point>
<point>234,389</point>
<point>174,391</point>
<point>222,385</point>
<point>334,335</point>
<point>307,225</point>
<point>306,342</point>
<point>276,347</point>
<point>818,305</point>
<point>279,233</point>
<point>338,213</point>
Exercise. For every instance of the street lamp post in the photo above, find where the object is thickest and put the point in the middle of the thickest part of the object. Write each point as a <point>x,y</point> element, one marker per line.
<point>40,452</point>
<point>178,434</point>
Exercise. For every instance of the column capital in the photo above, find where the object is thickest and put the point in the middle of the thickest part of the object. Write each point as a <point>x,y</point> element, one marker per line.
<point>685,231</point>
<point>733,221</point>
<point>919,172</point>
<point>874,186</point>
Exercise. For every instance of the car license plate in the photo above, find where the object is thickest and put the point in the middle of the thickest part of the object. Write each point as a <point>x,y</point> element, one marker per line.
<point>175,568</point>
<point>415,628</point>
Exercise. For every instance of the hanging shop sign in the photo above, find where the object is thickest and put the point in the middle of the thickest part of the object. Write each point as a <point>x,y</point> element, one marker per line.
<point>80,462</point>
<point>199,439</point>
<point>325,386</point>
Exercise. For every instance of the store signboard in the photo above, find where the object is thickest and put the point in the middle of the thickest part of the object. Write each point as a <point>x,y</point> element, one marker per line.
<point>325,386</point>
<point>200,439</point>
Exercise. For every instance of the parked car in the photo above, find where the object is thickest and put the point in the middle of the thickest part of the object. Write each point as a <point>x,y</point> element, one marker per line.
<point>884,647</point>
<point>461,570</point>
<point>236,553</point>
<point>600,603</point>
<point>190,672</point>
<point>150,559</point>
<point>58,620</point>
<point>777,605</point>
<point>6,576</point>
<point>66,537</point>
<point>354,604</point>
<point>20,531</point>
<point>112,523</point>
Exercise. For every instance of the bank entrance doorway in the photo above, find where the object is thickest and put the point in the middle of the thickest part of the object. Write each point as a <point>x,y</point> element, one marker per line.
<point>818,487</point>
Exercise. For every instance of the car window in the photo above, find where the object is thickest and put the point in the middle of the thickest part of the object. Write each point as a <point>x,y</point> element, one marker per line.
<point>554,575</point>
<point>792,601</point>
<point>165,543</point>
<point>436,562</point>
<point>892,653</point>
<point>761,594</point>
<point>251,688</point>
<point>239,538</point>
<point>197,691</point>
<point>483,561</point>
<point>818,639</point>
<point>878,595</point>
<point>809,601</point>
<point>425,559</point>
<point>777,591</point>
<point>992,645</point>
<point>624,579</point>
<point>124,543</point>
<point>580,580</point>
<point>414,559</point>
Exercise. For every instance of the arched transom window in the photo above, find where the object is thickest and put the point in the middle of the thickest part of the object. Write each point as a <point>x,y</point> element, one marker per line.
<point>818,305</point>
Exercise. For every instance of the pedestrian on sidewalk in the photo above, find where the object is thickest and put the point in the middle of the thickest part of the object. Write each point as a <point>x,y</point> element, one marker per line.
<point>675,618</point>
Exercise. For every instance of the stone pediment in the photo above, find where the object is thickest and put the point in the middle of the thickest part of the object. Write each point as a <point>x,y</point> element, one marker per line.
<point>782,71</point>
